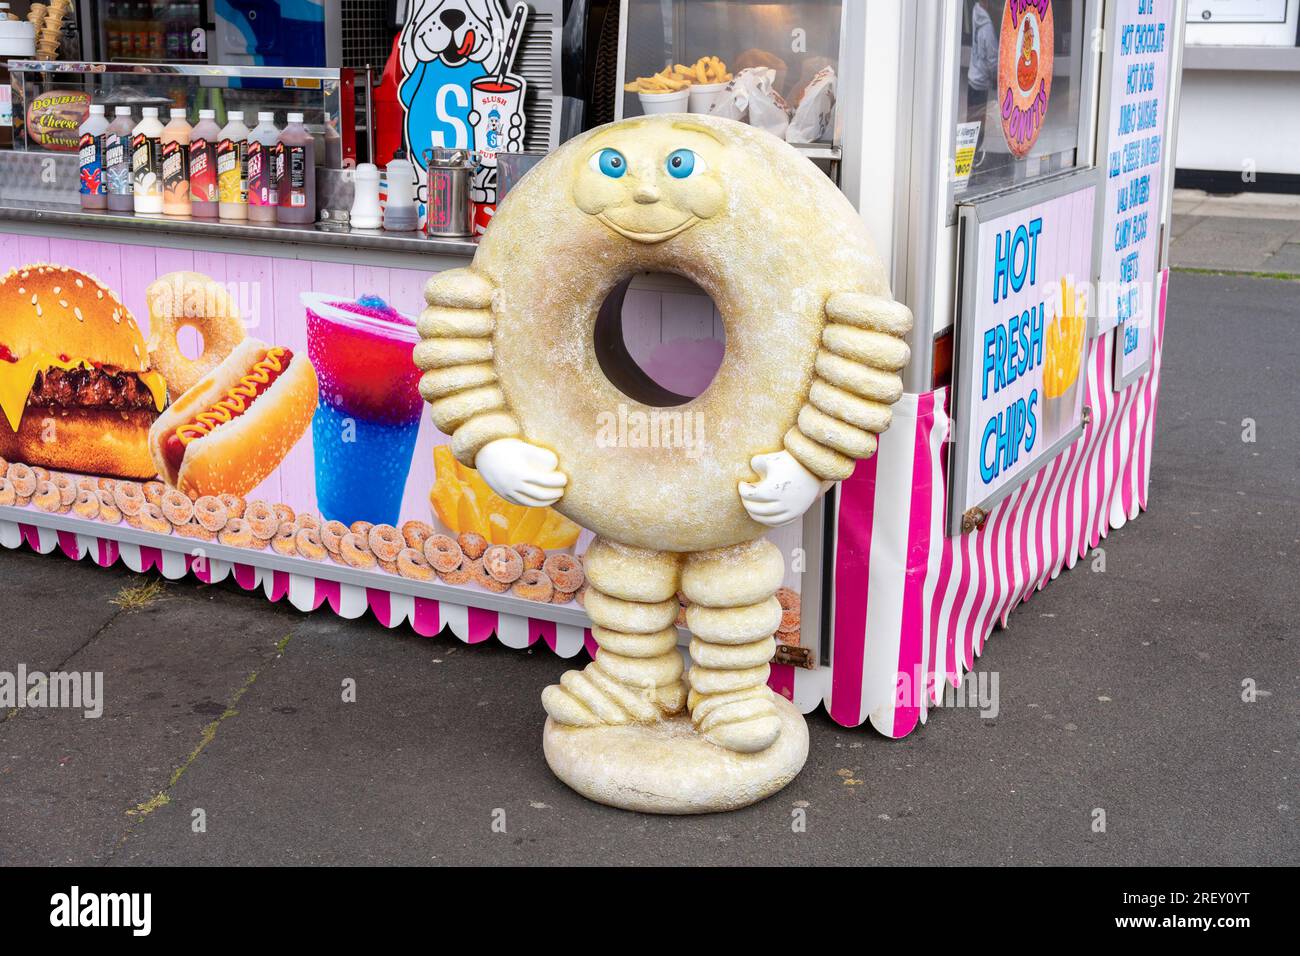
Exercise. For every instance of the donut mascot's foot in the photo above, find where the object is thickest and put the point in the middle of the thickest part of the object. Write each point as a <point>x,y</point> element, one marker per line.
<point>733,615</point>
<point>637,674</point>
<point>614,731</point>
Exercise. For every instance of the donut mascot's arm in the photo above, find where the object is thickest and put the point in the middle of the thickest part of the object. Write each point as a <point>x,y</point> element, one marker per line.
<point>460,385</point>
<point>856,381</point>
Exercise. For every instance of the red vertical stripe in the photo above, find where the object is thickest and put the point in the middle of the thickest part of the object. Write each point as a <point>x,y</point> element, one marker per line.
<point>908,712</point>
<point>852,573</point>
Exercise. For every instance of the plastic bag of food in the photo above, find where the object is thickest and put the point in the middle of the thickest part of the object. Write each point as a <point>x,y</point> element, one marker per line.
<point>751,98</point>
<point>816,110</point>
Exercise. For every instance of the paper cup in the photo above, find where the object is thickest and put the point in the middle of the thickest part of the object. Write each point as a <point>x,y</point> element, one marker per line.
<point>704,95</point>
<point>652,103</point>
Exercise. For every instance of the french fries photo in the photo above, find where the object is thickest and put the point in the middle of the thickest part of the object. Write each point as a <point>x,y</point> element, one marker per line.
<point>679,76</point>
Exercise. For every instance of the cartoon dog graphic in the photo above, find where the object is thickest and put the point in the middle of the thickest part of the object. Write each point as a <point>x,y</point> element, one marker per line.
<point>445,46</point>
<point>455,33</point>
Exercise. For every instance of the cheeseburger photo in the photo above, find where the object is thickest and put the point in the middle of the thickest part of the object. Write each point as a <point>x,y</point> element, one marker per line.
<point>76,388</point>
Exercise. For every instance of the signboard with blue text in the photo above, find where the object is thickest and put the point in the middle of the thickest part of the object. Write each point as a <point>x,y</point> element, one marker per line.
<point>1137,83</point>
<point>1019,376</point>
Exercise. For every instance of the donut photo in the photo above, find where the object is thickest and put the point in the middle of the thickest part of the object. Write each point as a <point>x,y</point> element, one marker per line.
<point>1025,57</point>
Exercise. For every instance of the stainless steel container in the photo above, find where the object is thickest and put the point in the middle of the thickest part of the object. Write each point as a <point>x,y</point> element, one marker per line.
<point>449,215</point>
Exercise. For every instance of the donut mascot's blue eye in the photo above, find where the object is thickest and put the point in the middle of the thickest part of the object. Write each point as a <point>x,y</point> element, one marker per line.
<point>682,163</point>
<point>610,162</point>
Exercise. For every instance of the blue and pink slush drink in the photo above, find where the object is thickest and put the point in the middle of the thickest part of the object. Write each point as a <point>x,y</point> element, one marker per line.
<point>365,426</point>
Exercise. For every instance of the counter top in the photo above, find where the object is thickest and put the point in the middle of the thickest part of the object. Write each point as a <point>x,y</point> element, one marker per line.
<point>369,239</point>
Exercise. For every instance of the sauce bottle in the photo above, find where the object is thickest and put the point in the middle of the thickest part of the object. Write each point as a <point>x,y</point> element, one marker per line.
<point>297,153</point>
<point>400,214</point>
<point>90,146</point>
<point>203,165</point>
<point>263,197</point>
<point>117,161</point>
<point>146,162</point>
<point>176,165</point>
<point>232,168</point>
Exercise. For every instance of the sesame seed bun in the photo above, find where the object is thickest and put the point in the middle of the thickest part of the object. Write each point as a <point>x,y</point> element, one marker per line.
<point>90,441</point>
<point>57,309</point>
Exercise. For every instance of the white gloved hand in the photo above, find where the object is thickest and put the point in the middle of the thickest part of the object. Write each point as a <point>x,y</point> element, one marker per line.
<point>786,489</point>
<point>521,473</point>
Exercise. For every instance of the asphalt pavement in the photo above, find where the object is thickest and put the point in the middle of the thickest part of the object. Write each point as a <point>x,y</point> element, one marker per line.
<point>225,736</point>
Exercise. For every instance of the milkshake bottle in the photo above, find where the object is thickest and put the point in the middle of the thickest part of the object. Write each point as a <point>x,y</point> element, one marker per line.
<point>176,165</point>
<point>90,147</point>
<point>297,154</point>
<point>203,165</point>
<point>117,161</point>
<point>146,162</point>
<point>263,197</point>
<point>232,168</point>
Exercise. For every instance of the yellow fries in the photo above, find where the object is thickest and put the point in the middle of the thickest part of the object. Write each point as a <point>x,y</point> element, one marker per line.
<point>678,76</point>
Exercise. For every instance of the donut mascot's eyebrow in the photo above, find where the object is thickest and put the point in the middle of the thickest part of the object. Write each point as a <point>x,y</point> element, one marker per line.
<point>697,128</point>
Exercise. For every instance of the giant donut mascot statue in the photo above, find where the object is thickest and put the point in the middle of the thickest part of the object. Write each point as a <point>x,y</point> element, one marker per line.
<point>814,346</point>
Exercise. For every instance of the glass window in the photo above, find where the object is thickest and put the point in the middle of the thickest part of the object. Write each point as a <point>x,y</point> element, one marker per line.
<point>771,64</point>
<point>1021,76</point>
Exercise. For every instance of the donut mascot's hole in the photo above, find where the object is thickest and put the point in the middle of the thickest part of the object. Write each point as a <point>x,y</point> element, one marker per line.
<point>661,343</point>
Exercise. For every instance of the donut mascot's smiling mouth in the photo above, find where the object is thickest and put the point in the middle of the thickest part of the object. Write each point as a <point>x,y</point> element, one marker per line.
<point>642,234</point>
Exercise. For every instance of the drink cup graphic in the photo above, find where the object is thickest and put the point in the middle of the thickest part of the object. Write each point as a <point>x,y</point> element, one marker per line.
<point>497,112</point>
<point>366,423</point>
<point>498,121</point>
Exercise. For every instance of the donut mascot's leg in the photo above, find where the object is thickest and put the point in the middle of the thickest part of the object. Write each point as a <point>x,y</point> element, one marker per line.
<point>637,674</point>
<point>732,616</point>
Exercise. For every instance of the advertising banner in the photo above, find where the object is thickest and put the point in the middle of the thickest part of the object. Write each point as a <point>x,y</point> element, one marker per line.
<point>1137,83</point>
<point>271,405</point>
<point>1018,386</point>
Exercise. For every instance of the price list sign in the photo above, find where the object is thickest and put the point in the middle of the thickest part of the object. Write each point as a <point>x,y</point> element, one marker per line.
<point>1139,50</point>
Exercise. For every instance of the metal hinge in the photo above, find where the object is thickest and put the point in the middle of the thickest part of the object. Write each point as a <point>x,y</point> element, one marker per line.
<point>797,656</point>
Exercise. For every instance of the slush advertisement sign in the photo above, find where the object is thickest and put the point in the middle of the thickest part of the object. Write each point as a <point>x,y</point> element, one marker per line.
<point>1019,388</point>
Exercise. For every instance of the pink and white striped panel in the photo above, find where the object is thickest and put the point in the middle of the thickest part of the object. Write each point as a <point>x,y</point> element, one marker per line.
<point>913,606</point>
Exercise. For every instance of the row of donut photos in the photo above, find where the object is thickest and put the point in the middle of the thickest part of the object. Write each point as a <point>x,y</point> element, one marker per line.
<point>415,550</point>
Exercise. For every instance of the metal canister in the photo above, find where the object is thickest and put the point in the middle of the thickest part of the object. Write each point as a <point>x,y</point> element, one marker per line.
<point>449,215</point>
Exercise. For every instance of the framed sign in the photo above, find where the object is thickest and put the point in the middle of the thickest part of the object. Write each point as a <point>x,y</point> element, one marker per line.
<point>1026,48</point>
<point>1140,36</point>
<point>1024,262</point>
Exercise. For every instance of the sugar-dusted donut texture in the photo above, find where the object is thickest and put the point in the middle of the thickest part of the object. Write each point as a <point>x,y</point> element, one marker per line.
<point>814,341</point>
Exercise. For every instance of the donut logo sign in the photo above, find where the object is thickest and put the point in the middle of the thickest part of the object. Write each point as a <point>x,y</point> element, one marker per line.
<point>1025,56</point>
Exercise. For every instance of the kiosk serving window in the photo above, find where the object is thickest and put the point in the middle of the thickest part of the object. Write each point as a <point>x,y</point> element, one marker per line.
<point>772,65</point>
<point>1025,69</point>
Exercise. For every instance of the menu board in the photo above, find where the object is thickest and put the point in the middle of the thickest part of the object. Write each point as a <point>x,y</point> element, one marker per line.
<point>1138,86</point>
<point>1022,331</point>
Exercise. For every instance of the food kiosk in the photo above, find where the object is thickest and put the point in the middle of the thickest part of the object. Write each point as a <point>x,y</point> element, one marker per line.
<point>1011,158</point>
